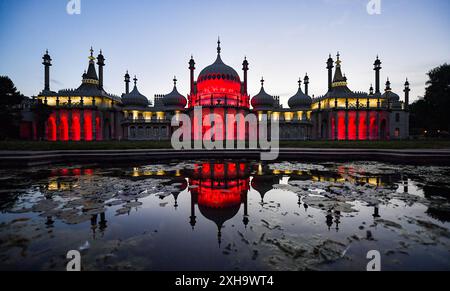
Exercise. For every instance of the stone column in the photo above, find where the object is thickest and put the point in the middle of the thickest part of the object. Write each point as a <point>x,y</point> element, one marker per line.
<point>368,124</point>
<point>82,137</point>
<point>58,124</point>
<point>378,125</point>
<point>336,125</point>
<point>319,125</point>
<point>357,124</point>
<point>112,124</point>
<point>94,127</point>
<point>69,122</point>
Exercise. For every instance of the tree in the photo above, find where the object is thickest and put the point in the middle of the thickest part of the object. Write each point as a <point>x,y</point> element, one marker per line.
<point>10,112</point>
<point>41,114</point>
<point>432,113</point>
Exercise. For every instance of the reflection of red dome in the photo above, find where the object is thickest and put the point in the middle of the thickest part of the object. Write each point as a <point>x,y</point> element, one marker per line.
<point>220,185</point>
<point>219,216</point>
<point>221,197</point>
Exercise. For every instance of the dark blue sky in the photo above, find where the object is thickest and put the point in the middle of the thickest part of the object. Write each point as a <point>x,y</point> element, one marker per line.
<point>282,40</point>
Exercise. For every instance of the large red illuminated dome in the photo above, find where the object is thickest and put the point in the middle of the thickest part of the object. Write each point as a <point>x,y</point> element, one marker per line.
<point>219,78</point>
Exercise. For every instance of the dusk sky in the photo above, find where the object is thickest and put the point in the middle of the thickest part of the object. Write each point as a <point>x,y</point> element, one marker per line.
<point>281,39</point>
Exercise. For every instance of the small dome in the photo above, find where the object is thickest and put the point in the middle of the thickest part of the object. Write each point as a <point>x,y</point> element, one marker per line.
<point>300,100</point>
<point>174,100</point>
<point>135,98</point>
<point>388,94</point>
<point>391,96</point>
<point>263,101</point>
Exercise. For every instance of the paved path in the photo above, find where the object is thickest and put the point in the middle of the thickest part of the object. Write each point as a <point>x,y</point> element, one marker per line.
<point>32,158</point>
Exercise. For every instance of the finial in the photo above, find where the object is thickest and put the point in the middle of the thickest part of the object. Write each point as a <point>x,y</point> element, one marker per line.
<point>46,51</point>
<point>92,51</point>
<point>338,60</point>
<point>135,80</point>
<point>300,82</point>
<point>262,81</point>
<point>101,52</point>
<point>218,46</point>
<point>175,81</point>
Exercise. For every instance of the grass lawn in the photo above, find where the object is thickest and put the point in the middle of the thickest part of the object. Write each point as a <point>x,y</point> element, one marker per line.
<point>113,145</point>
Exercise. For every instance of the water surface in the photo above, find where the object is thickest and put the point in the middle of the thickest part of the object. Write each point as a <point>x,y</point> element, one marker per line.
<point>227,215</point>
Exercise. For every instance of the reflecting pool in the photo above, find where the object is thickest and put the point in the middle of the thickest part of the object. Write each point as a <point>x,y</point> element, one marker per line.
<point>226,215</point>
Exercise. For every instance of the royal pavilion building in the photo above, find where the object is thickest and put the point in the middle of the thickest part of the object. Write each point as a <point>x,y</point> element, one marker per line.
<point>89,113</point>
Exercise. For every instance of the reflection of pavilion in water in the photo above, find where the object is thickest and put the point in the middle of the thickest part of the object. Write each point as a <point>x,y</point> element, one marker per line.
<point>219,189</point>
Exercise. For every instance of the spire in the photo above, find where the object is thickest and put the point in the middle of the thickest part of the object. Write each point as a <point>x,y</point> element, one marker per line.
<point>300,83</point>
<point>91,72</point>
<point>338,61</point>
<point>338,77</point>
<point>218,46</point>
<point>262,82</point>
<point>135,80</point>
<point>306,81</point>
<point>91,57</point>
<point>47,62</point>
<point>175,81</point>
<point>371,90</point>
<point>388,85</point>
<point>127,83</point>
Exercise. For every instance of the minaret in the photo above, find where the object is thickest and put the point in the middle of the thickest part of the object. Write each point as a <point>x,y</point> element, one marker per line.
<point>192,69</point>
<point>127,83</point>
<point>388,85</point>
<point>101,64</point>
<point>245,69</point>
<point>377,68</point>
<point>407,90</point>
<point>47,62</point>
<point>330,66</point>
<point>306,81</point>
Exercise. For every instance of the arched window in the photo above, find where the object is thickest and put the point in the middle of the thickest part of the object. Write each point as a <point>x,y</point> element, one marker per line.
<point>133,132</point>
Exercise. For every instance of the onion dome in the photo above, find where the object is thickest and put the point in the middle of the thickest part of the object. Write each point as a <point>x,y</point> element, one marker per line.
<point>135,98</point>
<point>300,100</point>
<point>388,94</point>
<point>263,101</point>
<point>218,75</point>
<point>174,100</point>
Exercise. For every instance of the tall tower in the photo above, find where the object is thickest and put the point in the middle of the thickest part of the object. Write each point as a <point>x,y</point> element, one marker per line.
<point>127,83</point>
<point>192,69</point>
<point>47,62</point>
<point>377,68</point>
<point>245,69</point>
<point>407,90</point>
<point>330,66</point>
<point>306,81</point>
<point>101,64</point>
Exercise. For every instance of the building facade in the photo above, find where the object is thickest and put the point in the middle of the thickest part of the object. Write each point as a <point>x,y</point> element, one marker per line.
<point>89,113</point>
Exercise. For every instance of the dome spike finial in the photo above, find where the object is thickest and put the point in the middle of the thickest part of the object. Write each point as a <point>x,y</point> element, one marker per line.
<point>262,81</point>
<point>219,49</point>
<point>175,81</point>
<point>300,82</point>
<point>135,80</point>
